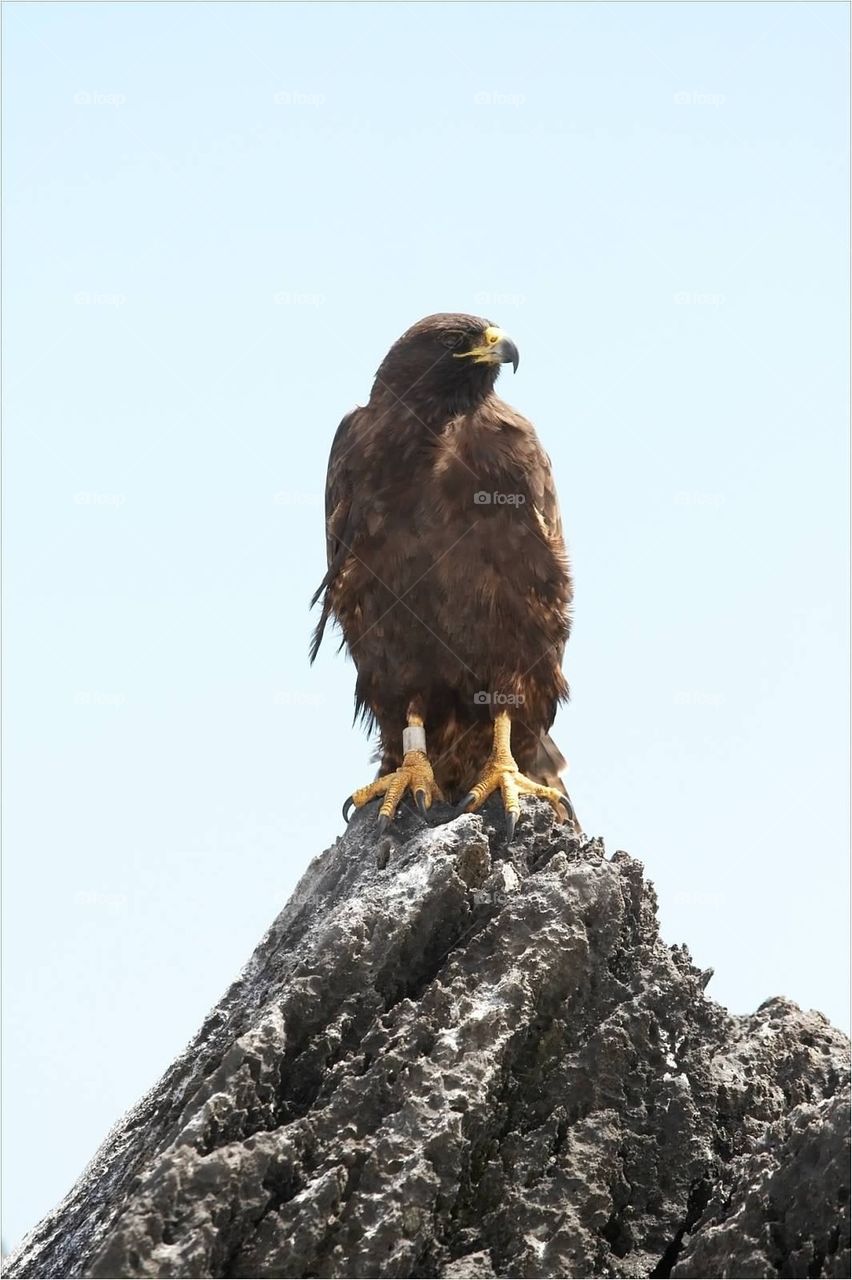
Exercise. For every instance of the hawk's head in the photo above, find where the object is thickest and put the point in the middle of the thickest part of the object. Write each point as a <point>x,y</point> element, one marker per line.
<point>450,360</point>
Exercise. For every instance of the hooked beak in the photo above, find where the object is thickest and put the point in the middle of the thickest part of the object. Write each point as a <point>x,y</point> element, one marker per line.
<point>507,353</point>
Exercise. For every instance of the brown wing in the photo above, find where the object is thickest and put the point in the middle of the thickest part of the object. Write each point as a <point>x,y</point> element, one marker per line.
<point>546,503</point>
<point>340,516</point>
<point>549,761</point>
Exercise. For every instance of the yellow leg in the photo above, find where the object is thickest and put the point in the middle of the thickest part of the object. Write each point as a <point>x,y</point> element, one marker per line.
<point>414,774</point>
<point>502,771</point>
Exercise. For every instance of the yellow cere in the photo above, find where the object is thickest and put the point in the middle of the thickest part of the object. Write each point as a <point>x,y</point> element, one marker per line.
<point>482,353</point>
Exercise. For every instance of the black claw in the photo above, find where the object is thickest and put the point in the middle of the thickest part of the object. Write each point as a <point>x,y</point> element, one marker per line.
<point>511,823</point>
<point>460,808</point>
<point>382,822</point>
<point>569,809</point>
<point>420,801</point>
<point>347,805</point>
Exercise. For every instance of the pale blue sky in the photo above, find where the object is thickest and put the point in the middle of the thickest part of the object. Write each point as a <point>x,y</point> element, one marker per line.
<point>218,217</point>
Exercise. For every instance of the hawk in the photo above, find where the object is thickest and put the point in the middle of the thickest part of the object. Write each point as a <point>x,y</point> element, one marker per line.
<point>448,577</point>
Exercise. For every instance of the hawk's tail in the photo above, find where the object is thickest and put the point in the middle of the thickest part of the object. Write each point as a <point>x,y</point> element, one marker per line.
<point>548,766</point>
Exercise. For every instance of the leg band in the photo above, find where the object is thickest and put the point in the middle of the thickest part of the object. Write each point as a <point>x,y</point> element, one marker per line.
<point>414,739</point>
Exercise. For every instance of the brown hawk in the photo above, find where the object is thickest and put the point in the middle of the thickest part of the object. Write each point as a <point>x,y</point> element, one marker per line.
<point>448,576</point>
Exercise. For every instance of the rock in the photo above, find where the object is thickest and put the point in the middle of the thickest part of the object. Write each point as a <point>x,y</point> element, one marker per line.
<point>450,1059</point>
<point>784,1208</point>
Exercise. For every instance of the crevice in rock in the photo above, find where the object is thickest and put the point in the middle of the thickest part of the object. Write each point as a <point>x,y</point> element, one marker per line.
<point>699,1195</point>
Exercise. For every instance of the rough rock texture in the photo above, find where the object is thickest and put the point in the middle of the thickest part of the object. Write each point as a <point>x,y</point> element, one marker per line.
<point>447,1059</point>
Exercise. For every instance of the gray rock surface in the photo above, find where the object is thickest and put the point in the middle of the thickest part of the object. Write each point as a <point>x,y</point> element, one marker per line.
<point>450,1059</point>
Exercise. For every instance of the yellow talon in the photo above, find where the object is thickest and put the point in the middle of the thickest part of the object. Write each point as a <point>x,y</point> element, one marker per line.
<point>414,775</point>
<point>502,771</point>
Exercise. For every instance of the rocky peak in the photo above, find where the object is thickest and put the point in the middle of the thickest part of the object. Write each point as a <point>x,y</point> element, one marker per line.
<point>447,1058</point>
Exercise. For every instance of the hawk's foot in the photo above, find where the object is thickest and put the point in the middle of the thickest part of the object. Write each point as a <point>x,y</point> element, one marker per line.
<point>501,772</point>
<point>414,775</point>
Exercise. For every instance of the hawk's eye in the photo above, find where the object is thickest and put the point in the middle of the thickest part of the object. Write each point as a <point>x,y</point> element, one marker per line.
<point>452,339</point>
